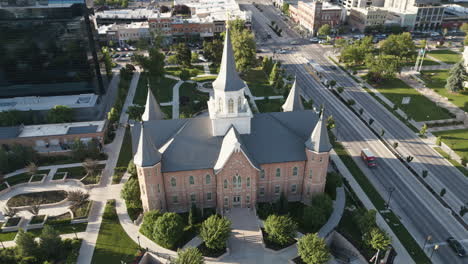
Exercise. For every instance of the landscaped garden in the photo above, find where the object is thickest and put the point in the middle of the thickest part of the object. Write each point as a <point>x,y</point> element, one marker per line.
<point>447,56</point>
<point>62,224</point>
<point>37,177</point>
<point>162,90</point>
<point>59,176</point>
<point>46,197</point>
<point>436,80</point>
<point>457,140</point>
<point>12,221</point>
<point>113,245</point>
<point>395,90</point>
<point>93,175</point>
<point>22,178</point>
<point>7,236</point>
<point>191,100</point>
<point>37,219</point>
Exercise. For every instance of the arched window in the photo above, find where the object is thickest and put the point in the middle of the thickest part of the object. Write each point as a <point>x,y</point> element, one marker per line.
<point>220,104</point>
<point>191,180</point>
<point>173,182</point>
<point>239,103</point>
<point>225,184</point>
<point>262,174</point>
<point>208,179</point>
<point>236,181</point>
<point>248,181</point>
<point>278,172</point>
<point>295,171</point>
<point>230,106</point>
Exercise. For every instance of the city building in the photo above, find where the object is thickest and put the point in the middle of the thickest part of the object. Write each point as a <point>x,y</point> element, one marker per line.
<point>360,18</point>
<point>49,49</point>
<point>207,18</point>
<point>231,158</point>
<point>454,16</point>
<point>416,14</point>
<point>312,15</point>
<point>121,33</point>
<point>53,139</point>
<point>350,4</point>
<point>280,3</point>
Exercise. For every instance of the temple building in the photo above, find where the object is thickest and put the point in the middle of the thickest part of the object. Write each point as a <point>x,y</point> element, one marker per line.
<point>231,158</point>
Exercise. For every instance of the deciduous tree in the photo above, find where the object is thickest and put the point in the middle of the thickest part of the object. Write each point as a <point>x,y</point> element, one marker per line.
<point>324,30</point>
<point>243,44</point>
<point>215,232</point>
<point>183,54</point>
<point>135,112</point>
<point>168,230</point>
<point>312,249</point>
<point>149,222</point>
<point>50,242</point>
<point>280,229</point>
<point>60,114</point>
<point>25,244</point>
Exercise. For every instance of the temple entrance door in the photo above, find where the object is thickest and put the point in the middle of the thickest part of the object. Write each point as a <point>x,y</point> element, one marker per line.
<point>236,201</point>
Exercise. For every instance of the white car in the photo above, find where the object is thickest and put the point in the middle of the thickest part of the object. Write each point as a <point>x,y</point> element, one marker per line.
<point>280,51</point>
<point>314,40</point>
<point>294,42</point>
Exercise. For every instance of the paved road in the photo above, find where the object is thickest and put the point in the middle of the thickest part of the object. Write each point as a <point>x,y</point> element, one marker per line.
<point>421,213</point>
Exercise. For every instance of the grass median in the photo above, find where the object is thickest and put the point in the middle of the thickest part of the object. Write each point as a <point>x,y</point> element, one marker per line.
<point>397,227</point>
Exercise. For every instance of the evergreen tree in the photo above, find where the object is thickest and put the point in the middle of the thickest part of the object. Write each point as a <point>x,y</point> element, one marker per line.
<point>456,78</point>
<point>313,249</point>
<point>280,229</point>
<point>275,74</point>
<point>215,232</point>
<point>189,255</point>
<point>168,230</point>
<point>51,243</point>
<point>25,244</point>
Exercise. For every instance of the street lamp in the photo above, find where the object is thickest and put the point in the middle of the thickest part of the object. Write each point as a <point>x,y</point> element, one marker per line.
<point>436,247</point>
<point>1,241</point>
<point>74,231</point>
<point>428,238</point>
<point>139,246</point>
<point>390,191</point>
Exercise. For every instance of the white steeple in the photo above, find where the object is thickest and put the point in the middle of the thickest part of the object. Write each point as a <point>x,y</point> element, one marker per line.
<point>152,109</point>
<point>227,105</point>
<point>293,102</point>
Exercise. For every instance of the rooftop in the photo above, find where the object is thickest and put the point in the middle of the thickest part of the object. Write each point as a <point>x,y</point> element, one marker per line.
<point>62,129</point>
<point>47,102</point>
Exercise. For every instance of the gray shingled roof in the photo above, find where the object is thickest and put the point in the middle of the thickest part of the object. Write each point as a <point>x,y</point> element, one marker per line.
<point>147,154</point>
<point>274,137</point>
<point>152,109</point>
<point>319,141</point>
<point>228,79</point>
<point>82,130</point>
<point>293,102</point>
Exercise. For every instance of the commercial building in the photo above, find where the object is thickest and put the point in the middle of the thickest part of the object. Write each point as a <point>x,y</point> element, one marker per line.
<point>350,4</point>
<point>312,15</point>
<point>120,33</point>
<point>48,48</point>
<point>231,158</point>
<point>416,14</point>
<point>360,18</point>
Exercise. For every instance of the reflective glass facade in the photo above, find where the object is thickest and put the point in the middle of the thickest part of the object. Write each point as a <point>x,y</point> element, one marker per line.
<point>48,48</point>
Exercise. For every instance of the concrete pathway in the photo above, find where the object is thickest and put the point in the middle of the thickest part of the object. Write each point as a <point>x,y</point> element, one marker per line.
<point>51,167</point>
<point>175,100</point>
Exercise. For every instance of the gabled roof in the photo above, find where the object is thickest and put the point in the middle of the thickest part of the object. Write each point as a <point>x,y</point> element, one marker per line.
<point>147,154</point>
<point>232,142</point>
<point>293,102</point>
<point>228,79</point>
<point>319,141</point>
<point>152,109</point>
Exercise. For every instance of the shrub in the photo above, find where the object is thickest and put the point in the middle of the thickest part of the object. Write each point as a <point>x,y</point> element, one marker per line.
<point>312,249</point>
<point>334,181</point>
<point>340,89</point>
<point>215,232</point>
<point>168,230</point>
<point>189,255</point>
<point>351,102</point>
<point>149,221</point>
<point>184,75</point>
<point>281,229</point>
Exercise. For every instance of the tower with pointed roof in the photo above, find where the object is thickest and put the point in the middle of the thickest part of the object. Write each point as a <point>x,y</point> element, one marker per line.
<point>317,148</point>
<point>227,105</point>
<point>293,102</point>
<point>152,109</point>
<point>148,159</point>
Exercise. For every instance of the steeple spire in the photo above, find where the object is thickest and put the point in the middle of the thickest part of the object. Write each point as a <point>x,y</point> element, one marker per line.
<point>147,154</point>
<point>319,141</point>
<point>152,109</point>
<point>228,79</point>
<point>293,102</point>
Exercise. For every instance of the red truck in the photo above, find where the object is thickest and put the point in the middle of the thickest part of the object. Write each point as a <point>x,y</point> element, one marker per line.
<point>368,157</point>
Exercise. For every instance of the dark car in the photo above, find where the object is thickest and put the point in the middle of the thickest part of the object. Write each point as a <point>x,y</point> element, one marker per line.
<point>456,246</point>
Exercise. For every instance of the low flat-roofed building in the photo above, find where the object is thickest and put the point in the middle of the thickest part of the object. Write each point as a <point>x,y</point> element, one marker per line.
<point>125,32</point>
<point>360,18</point>
<point>53,138</point>
<point>37,103</point>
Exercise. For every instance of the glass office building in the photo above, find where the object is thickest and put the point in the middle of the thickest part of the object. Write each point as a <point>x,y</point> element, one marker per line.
<point>48,48</point>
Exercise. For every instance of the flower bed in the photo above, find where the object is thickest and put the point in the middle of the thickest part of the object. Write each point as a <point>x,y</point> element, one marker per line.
<point>272,245</point>
<point>22,178</point>
<point>208,252</point>
<point>14,221</point>
<point>37,178</point>
<point>47,197</point>
<point>37,219</point>
<point>59,176</point>
<point>82,211</point>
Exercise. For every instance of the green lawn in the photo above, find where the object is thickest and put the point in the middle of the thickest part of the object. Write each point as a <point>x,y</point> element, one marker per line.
<point>175,70</point>
<point>63,229</point>
<point>162,90</point>
<point>395,90</point>
<point>213,68</point>
<point>270,105</point>
<point>436,80</point>
<point>188,95</point>
<point>167,110</point>
<point>204,78</point>
<point>79,172</point>
<point>456,140</point>
<point>7,236</point>
<point>398,228</point>
<point>454,162</point>
<point>22,178</point>
<point>113,244</point>
<point>190,90</point>
<point>446,56</point>
<point>258,82</point>
<point>125,154</point>
<point>427,62</point>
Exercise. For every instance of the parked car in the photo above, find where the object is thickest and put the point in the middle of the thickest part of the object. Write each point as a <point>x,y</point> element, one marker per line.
<point>115,56</point>
<point>280,51</point>
<point>131,48</point>
<point>314,40</point>
<point>130,54</point>
<point>118,49</point>
<point>294,42</point>
<point>456,246</point>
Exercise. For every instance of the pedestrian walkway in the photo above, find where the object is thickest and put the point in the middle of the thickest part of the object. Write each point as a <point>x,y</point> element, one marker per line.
<point>50,167</point>
<point>175,100</point>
